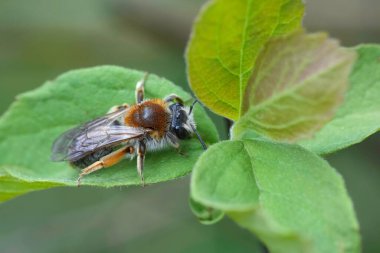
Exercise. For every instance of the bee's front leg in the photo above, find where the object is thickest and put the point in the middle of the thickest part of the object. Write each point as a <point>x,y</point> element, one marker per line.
<point>181,152</point>
<point>141,150</point>
<point>106,161</point>
<point>173,141</point>
<point>173,98</point>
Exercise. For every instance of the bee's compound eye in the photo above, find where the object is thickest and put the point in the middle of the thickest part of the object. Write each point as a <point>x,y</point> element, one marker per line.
<point>181,132</point>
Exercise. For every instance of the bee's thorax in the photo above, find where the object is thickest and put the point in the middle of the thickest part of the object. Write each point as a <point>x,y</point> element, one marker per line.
<point>151,114</point>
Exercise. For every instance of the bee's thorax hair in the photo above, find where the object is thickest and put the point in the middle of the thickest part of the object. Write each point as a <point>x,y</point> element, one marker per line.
<point>151,114</point>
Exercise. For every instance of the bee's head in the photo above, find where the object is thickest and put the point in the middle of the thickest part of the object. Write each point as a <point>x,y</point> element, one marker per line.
<point>182,123</point>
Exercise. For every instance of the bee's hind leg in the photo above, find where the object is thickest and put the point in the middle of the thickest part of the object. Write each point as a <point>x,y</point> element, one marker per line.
<point>140,88</point>
<point>106,161</point>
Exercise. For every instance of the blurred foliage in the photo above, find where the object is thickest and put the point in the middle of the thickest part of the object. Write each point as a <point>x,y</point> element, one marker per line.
<point>40,39</point>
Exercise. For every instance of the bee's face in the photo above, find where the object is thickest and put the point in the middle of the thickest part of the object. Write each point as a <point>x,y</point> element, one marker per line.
<point>179,124</point>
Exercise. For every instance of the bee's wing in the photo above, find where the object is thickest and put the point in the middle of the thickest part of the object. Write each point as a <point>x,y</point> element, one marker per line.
<point>91,136</point>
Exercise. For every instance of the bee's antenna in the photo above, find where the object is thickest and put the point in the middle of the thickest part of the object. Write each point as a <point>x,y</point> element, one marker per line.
<point>195,130</point>
<point>192,106</point>
<point>199,138</point>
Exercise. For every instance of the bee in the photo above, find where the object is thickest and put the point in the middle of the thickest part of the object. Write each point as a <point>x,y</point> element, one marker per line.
<point>127,131</point>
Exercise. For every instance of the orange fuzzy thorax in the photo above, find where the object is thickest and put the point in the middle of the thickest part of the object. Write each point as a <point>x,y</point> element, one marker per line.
<point>151,114</point>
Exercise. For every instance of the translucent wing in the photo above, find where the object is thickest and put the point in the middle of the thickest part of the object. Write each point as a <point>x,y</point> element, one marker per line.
<point>91,136</point>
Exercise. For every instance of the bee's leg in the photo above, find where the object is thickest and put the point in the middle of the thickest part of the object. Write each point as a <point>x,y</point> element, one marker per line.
<point>140,88</point>
<point>141,150</point>
<point>173,141</point>
<point>106,161</point>
<point>173,98</point>
<point>181,152</point>
<point>117,108</point>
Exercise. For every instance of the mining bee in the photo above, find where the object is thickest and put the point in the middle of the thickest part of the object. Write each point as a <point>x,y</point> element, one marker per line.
<point>126,131</point>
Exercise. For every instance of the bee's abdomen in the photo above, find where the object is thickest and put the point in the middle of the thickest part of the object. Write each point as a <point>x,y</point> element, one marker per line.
<point>150,114</point>
<point>91,158</point>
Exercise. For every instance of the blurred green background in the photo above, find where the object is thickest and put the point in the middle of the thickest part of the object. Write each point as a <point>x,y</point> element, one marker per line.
<point>40,39</point>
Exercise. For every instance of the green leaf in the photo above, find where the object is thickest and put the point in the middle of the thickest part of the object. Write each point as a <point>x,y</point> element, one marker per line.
<point>289,197</point>
<point>30,126</point>
<point>298,83</point>
<point>205,214</point>
<point>359,116</point>
<point>225,43</point>
<point>11,187</point>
